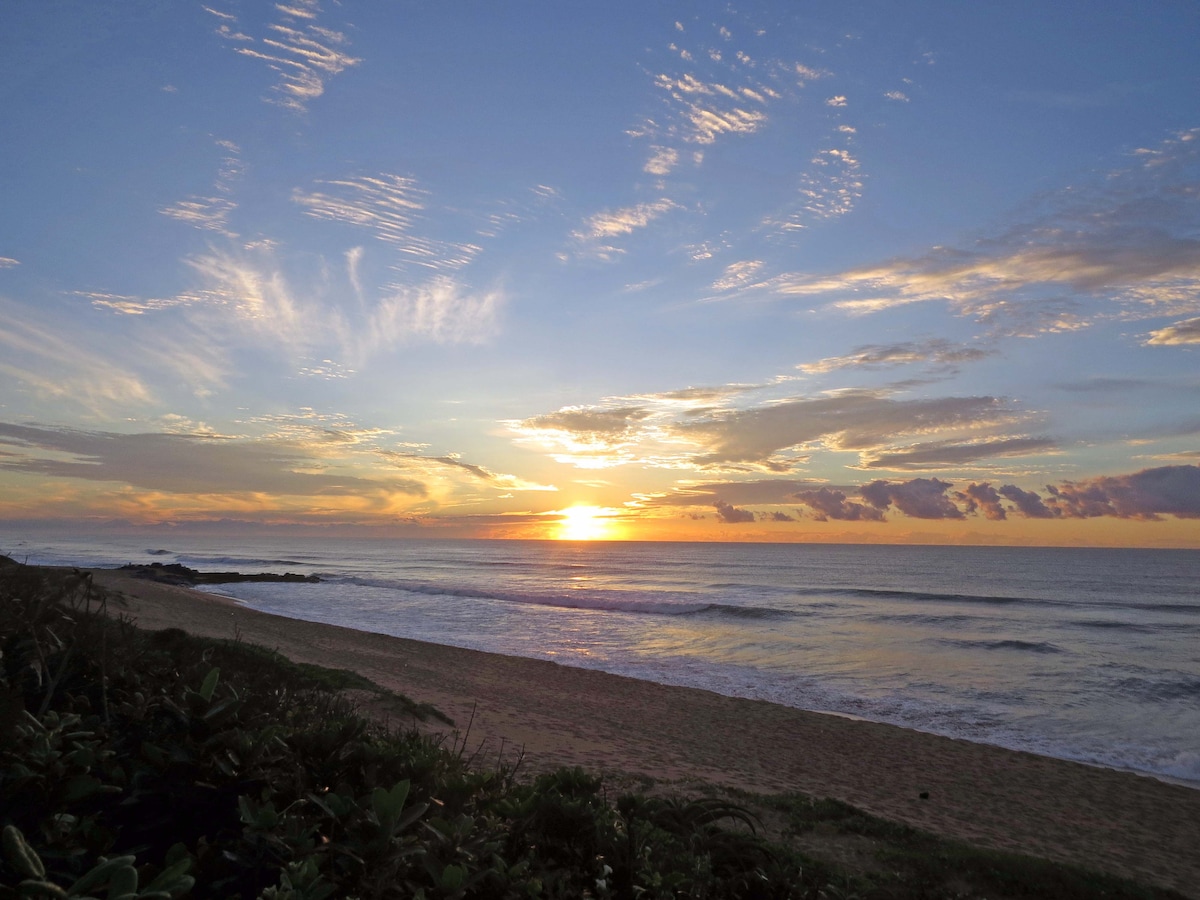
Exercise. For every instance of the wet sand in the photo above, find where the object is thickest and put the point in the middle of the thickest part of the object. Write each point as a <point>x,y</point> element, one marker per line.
<point>1106,820</point>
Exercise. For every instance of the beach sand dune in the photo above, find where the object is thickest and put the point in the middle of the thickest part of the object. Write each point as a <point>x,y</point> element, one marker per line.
<point>1106,820</point>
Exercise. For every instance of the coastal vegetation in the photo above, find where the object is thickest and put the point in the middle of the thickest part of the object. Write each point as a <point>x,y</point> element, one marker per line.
<point>140,764</point>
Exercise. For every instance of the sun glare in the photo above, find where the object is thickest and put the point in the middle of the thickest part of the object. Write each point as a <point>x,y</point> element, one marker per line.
<point>585,523</point>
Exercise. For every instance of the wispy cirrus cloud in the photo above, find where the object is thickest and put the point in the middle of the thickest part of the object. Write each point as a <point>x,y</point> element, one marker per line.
<point>303,54</point>
<point>601,229</point>
<point>253,291</point>
<point>259,296</point>
<point>7,262</point>
<point>389,206</point>
<point>386,204</point>
<point>126,304</point>
<point>455,467</point>
<point>248,299</point>
<point>740,274</point>
<point>1128,239</point>
<point>623,221</point>
<point>441,311</point>
<point>211,213</point>
<point>935,352</point>
<point>53,365</point>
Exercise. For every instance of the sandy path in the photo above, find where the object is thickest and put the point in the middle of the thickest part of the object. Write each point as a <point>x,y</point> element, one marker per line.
<point>1106,820</point>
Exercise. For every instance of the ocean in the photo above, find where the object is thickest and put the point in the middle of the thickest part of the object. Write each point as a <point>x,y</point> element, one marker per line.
<point>1090,655</point>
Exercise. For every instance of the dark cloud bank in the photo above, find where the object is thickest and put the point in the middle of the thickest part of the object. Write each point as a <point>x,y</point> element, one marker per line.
<point>1147,495</point>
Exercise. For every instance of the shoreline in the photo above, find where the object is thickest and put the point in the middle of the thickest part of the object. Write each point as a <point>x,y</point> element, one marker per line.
<point>1105,819</point>
<point>211,588</point>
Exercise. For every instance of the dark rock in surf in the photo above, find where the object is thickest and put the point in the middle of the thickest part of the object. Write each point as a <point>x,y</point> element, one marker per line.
<point>175,573</point>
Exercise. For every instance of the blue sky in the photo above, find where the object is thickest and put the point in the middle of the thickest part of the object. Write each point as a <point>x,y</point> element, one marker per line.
<point>773,271</point>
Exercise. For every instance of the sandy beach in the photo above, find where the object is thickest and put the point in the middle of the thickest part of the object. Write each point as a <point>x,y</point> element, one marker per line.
<point>1110,821</point>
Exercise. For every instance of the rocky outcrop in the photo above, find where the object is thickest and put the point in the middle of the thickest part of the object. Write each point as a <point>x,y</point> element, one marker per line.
<point>175,573</point>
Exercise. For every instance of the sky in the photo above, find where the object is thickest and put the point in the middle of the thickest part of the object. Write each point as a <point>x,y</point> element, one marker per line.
<point>921,272</point>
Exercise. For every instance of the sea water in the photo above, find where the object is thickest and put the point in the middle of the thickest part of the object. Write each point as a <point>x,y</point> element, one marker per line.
<point>1084,654</point>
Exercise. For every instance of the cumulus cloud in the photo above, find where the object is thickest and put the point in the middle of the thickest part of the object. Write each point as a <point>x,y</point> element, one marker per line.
<point>1148,494</point>
<point>976,497</point>
<point>1028,503</point>
<point>1129,238</point>
<point>920,498</point>
<point>1179,334</point>
<point>731,514</point>
<point>829,503</point>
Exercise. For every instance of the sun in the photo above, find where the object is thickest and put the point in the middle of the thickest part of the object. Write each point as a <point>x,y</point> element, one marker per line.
<point>585,523</point>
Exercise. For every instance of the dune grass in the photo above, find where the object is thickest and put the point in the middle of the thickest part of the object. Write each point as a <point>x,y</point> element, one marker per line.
<point>158,765</point>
